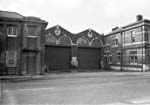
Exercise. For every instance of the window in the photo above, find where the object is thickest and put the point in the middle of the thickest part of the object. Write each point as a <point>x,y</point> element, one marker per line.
<point>132,36</point>
<point>133,57</point>
<point>1,28</point>
<point>133,32</point>
<point>118,57</point>
<point>82,41</point>
<point>12,31</point>
<point>105,59</point>
<point>32,31</point>
<point>110,59</point>
<point>115,41</point>
<point>146,37</point>
<point>107,49</point>
<point>132,39</point>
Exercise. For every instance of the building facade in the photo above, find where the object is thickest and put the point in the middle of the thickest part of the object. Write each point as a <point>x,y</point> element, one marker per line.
<point>26,47</point>
<point>128,47</point>
<point>21,44</point>
<point>65,51</point>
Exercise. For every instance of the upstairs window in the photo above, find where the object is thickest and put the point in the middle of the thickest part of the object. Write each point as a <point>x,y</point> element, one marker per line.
<point>132,36</point>
<point>115,41</point>
<point>110,59</point>
<point>107,49</point>
<point>105,59</point>
<point>1,28</point>
<point>146,37</point>
<point>118,57</point>
<point>32,31</point>
<point>133,57</point>
<point>12,31</point>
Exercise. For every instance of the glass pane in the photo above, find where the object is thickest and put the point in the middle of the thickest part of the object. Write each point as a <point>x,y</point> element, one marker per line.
<point>116,41</point>
<point>14,31</point>
<point>9,31</point>
<point>31,31</point>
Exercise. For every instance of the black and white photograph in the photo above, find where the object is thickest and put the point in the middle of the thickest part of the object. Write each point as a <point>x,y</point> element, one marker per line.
<point>74,52</point>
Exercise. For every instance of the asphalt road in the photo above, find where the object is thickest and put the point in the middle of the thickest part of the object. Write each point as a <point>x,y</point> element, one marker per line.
<point>100,88</point>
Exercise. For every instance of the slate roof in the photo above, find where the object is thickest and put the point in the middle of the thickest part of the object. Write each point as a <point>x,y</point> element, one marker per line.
<point>119,29</point>
<point>8,14</point>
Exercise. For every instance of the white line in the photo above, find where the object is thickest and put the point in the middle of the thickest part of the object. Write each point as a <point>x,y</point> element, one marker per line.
<point>61,88</point>
<point>119,103</point>
<point>110,83</point>
<point>140,101</point>
<point>36,89</point>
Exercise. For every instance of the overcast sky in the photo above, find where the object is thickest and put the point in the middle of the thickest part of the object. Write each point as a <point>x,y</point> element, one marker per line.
<point>78,15</point>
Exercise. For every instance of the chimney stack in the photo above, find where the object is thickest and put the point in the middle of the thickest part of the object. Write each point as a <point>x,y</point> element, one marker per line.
<point>139,18</point>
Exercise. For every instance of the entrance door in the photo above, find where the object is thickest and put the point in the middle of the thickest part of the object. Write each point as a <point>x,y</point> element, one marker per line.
<point>31,64</point>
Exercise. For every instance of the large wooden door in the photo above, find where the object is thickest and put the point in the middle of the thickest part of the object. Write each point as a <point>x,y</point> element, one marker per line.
<point>57,57</point>
<point>89,58</point>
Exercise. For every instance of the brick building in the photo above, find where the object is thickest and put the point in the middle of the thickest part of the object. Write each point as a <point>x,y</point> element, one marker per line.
<point>26,47</point>
<point>21,44</point>
<point>65,50</point>
<point>128,47</point>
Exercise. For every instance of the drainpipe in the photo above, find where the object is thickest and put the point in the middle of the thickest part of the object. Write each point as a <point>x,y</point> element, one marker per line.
<point>124,48</point>
<point>121,52</point>
<point>142,48</point>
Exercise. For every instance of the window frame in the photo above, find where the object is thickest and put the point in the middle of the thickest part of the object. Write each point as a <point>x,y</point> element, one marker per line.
<point>110,60</point>
<point>107,49</point>
<point>115,41</point>
<point>146,37</point>
<point>12,31</point>
<point>105,59</point>
<point>134,56</point>
<point>118,56</point>
<point>36,33</point>
<point>133,32</point>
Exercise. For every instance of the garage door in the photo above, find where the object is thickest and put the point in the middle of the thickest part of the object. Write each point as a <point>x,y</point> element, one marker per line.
<point>89,58</point>
<point>57,57</point>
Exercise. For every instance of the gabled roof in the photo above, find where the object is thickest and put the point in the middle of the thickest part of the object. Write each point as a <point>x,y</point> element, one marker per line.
<point>8,14</point>
<point>88,30</point>
<point>62,28</point>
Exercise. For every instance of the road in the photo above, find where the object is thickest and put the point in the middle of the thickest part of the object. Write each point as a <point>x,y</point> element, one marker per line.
<point>101,88</point>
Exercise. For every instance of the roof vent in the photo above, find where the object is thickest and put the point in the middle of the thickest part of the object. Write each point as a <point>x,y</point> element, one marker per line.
<point>139,17</point>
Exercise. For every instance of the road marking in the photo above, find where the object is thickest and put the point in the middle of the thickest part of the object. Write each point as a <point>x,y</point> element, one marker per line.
<point>36,89</point>
<point>141,101</point>
<point>61,88</point>
<point>109,83</point>
<point>119,103</point>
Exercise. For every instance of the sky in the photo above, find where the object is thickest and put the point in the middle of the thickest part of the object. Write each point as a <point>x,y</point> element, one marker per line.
<point>79,15</point>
